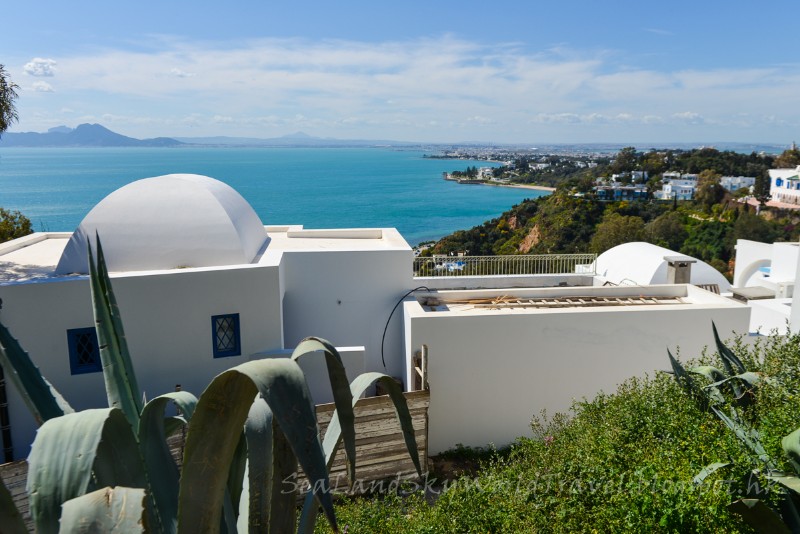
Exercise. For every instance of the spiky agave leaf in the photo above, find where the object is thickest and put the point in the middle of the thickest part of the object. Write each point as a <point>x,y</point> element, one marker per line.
<point>257,490</point>
<point>733,365</point>
<point>39,395</point>
<point>789,482</point>
<point>746,434</point>
<point>333,436</point>
<point>791,446</point>
<point>267,502</point>
<point>710,372</point>
<point>340,387</point>
<point>684,379</point>
<point>715,376</point>
<point>76,454</point>
<point>707,471</point>
<point>117,510</point>
<point>116,321</point>
<point>759,516</point>
<point>121,386</point>
<point>216,426</point>
<point>163,474</point>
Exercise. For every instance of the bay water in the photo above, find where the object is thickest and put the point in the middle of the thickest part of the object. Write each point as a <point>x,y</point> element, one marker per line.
<point>315,187</point>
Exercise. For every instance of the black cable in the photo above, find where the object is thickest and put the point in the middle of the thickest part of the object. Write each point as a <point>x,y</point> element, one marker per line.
<point>383,359</point>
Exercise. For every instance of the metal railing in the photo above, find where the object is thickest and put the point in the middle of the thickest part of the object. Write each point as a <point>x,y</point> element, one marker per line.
<point>441,266</point>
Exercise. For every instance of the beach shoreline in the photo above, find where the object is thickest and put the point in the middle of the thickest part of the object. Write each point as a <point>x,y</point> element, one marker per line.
<point>523,186</point>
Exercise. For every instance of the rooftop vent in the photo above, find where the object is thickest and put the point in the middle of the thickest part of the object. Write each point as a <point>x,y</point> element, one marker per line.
<point>679,269</point>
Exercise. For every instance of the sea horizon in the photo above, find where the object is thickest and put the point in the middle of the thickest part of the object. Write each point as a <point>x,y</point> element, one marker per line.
<point>315,187</point>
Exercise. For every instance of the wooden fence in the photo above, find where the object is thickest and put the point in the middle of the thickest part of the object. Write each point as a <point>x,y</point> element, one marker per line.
<point>381,453</point>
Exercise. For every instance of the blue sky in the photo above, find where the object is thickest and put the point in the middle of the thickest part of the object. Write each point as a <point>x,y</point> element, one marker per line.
<point>514,72</point>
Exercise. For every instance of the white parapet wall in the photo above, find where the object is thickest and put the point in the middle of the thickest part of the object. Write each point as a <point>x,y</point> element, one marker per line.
<point>504,281</point>
<point>346,297</point>
<point>490,370</point>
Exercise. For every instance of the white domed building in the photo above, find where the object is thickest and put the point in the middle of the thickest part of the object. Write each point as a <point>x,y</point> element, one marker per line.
<point>202,285</point>
<point>168,222</point>
<point>640,263</point>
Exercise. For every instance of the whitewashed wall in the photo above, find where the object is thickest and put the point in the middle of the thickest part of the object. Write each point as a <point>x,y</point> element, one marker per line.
<point>750,256</point>
<point>490,372</point>
<point>346,298</point>
<point>167,319</point>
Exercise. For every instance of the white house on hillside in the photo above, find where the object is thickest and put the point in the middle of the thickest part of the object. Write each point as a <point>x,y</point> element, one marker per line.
<point>765,277</point>
<point>734,183</point>
<point>784,185</point>
<point>677,186</point>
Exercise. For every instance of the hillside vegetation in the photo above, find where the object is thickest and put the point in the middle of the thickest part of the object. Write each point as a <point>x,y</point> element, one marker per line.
<point>625,461</point>
<point>571,220</point>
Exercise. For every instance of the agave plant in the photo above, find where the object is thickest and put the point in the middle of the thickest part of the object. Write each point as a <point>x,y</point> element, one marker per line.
<point>725,395</point>
<point>97,469</point>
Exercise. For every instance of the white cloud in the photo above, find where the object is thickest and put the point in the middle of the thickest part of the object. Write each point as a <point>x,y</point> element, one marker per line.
<point>42,87</point>
<point>689,117</point>
<point>659,31</point>
<point>480,120</point>
<point>67,110</point>
<point>178,73</point>
<point>40,67</point>
<point>452,87</point>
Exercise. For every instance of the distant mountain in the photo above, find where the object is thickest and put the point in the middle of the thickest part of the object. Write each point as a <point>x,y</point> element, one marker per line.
<point>60,129</point>
<point>85,135</point>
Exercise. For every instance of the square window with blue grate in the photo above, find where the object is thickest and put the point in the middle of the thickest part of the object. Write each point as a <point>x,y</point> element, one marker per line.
<point>225,333</point>
<point>84,351</point>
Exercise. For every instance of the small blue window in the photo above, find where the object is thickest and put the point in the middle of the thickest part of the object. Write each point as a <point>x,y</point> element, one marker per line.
<point>225,335</point>
<point>84,351</point>
<point>778,182</point>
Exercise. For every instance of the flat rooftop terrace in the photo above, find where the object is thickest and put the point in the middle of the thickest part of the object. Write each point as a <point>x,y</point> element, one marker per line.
<point>35,257</point>
<point>567,299</point>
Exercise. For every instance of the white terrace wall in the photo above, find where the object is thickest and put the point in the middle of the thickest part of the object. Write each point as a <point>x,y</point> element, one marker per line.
<point>167,319</point>
<point>490,372</point>
<point>346,298</point>
<point>750,256</point>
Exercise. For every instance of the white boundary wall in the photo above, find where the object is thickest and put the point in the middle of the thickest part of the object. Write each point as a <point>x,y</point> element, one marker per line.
<point>490,371</point>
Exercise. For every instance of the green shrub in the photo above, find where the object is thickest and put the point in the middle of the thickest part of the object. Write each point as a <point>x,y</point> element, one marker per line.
<point>621,462</point>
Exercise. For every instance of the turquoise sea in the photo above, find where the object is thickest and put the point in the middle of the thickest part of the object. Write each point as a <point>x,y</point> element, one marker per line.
<point>318,188</point>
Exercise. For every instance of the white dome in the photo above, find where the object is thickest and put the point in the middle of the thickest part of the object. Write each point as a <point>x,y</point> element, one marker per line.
<point>166,222</point>
<point>642,263</point>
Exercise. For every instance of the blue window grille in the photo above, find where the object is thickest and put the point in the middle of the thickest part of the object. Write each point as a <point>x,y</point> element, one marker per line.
<point>84,351</point>
<point>225,335</point>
